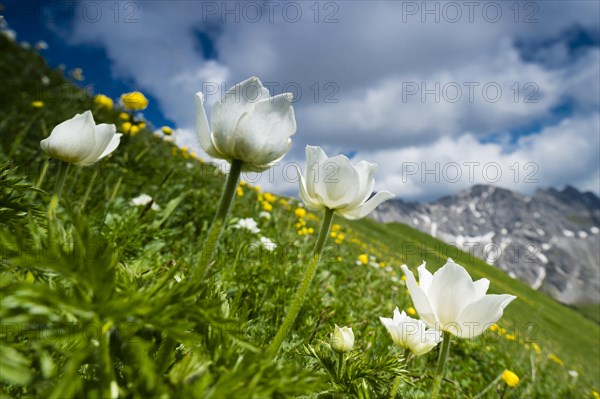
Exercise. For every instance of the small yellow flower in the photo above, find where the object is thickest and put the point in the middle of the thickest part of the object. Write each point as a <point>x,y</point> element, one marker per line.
<point>555,359</point>
<point>141,125</point>
<point>595,394</point>
<point>510,378</point>
<point>270,197</point>
<point>29,278</point>
<point>494,327</point>
<point>300,212</point>
<point>338,241</point>
<point>37,104</point>
<point>341,236</point>
<point>267,207</point>
<point>239,191</point>
<point>339,258</point>
<point>311,230</point>
<point>185,152</point>
<point>167,131</point>
<point>283,202</point>
<point>333,234</point>
<point>536,348</point>
<point>363,258</point>
<point>510,337</point>
<point>126,126</point>
<point>103,101</point>
<point>335,227</point>
<point>382,264</point>
<point>124,116</point>
<point>411,311</point>
<point>134,101</point>
<point>403,278</point>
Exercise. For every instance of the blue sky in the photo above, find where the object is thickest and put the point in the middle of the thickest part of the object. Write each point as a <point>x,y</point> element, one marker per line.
<point>442,95</point>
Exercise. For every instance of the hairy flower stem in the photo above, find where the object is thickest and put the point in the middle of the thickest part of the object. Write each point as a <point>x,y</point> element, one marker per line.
<point>214,232</point>
<point>340,365</point>
<point>304,285</point>
<point>63,170</point>
<point>88,190</point>
<point>398,380</point>
<point>441,364</point>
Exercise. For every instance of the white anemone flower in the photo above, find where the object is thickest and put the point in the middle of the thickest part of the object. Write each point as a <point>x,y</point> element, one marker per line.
<point>143,200</point>
<point>335,183</point>
<point>247,125</point>
<point>342,339</point>
<point>411,333</point>
<point>267,244</point>
<point>247,224</point>
<point>451,301</point>
<point>80,141</point>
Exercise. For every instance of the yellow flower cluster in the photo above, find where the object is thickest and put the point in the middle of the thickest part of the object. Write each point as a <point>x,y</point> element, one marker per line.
<point>103,102</point>
<point>267,200</point>
<point>239,191</point>
<point>37,104</point>
<point>132,128</point>
<point>167,131</point>
<point>337,234</point>
<point>134,101</point>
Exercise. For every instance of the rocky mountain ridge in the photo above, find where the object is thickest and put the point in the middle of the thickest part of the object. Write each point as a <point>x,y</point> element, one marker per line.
<point>550,240</point>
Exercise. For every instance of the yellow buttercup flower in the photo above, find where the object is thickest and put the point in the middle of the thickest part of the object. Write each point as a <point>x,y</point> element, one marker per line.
<point>595,394</point>
<point>103,101</point>
<point>185,152</point>
<point>141,125</point>
<point>363,258</point>
<point>134,101</point>
<point>270,197</point>
<point>510,378</point>
<point>283,202</point>
<point>124,115</point>
<point>300,212</point>
<point>37,104</point>
<point>536,347</point>
<point>239,191</point>
<point>510,337</point>
<point>555,359</point>
<point>167,130</point>
<point>267,207</point>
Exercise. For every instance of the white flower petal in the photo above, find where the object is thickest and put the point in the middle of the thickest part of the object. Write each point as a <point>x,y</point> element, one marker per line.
<point>425,277</point>
<point>304,195</point>
<point>338,182</point>
<point>481,287</point>
<point>104,136</point>
<point>419,298</point>
<point>366,181</point>
<point>263,134</point>
<point>203,129</point>
<point>72,140</point>
<point>368,206</point>
<point>226,114</point>
<point>315,156</point>
<point>479,315</point>
<point>451,290</point>
<point>114,143</point>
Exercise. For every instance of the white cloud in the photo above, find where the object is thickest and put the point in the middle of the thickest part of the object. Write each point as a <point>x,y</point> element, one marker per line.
<point>374,53</point>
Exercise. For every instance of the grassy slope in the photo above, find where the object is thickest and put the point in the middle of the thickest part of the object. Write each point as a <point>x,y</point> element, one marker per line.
<point>571,334</point>
<point>257,286</point>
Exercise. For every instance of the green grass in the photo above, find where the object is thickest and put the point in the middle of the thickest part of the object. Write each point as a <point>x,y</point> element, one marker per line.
<point>96,296</point>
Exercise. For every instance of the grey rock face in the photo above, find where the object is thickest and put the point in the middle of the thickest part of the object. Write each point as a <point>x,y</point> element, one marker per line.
<point>550,241</point>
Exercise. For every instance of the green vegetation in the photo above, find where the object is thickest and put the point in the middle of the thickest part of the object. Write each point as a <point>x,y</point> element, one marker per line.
<point>96,300</point>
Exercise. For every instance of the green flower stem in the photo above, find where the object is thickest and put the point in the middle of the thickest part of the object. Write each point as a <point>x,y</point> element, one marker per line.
<point>42,176</point>
<point>439,373</point>
<point>340,365</point>
<point>88,190</point>
<point>304,285</point>
<point>63,170</point>
<point>487,388</point>
<point>214,232</point>
<point>398,380</point>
